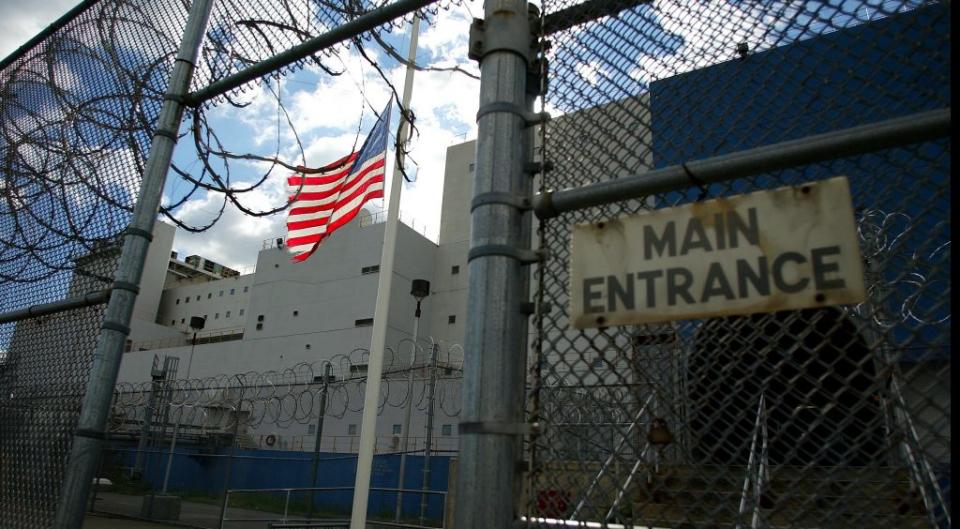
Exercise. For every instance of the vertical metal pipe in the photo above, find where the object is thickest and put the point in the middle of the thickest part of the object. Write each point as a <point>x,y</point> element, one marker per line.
<point>371,398</point>
<point>88,437</point>
<point>494,357</point>
<point>146,428</point>
<point>319,436</point>
<point>176,425</point>
<point>229,469</point>
<point>428,444</point>
<point>406,416</point>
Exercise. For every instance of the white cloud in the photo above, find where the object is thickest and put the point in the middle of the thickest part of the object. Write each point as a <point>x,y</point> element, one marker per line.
<point>20,21</point>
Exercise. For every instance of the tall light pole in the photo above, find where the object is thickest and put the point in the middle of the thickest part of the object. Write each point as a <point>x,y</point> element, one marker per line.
<point>419,289</point>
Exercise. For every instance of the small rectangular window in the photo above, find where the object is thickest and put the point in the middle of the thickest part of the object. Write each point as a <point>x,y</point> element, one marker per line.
<point>209,295</point>
<point>241,312</point>
<point>363,322</point>
<point>198,297</point>
<point>472,167</point>
<point>216,315</point>
<point>173,322</point>
<point>227,315</point>
<point>446,430</point>
<point>246,289</point>
<point>373,269</point>
<point>598,362</point>
<point>311,429</point>
<point>186,299</point>
<point>452,318</point>
<point>221,293</point>
<point>232,291</point>
<point>178,301</point>
<point>260,317</point>
<point>296,313</point>
<point>182,320</point>
<point>396,429</point>
<point>259,326</point>
<point>455,269</point>
<point>351,429</point>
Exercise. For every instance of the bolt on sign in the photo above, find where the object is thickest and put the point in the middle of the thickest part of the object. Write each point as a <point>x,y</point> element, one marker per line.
<point>780,249</point>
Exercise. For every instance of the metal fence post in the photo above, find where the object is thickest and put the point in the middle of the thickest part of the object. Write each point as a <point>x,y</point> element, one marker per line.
<point>88,437</point>
<point>428,444</point>
<point>494,356</point>
<point>316,444</point>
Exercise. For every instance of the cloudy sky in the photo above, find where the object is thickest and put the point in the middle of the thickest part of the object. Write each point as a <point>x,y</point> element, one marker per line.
<point>325,112</point>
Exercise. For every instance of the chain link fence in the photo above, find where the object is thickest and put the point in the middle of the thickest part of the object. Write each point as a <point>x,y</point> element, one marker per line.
<point>829,417</point>
<point>79,106</point>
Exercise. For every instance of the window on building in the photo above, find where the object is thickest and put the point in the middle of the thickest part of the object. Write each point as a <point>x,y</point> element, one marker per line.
<point>259,326</point>
<point>241,312</point>
<point>173,322</point>
<point>204,316</point>
<point>471,167</point>
<point>455,269</point>
<point>178,301</point>
<point>598,362</point>
<point>446,430</point>
<point>363,322</point>
<point>221,293</point>
<point>296,313</point>
<point>246,289</point>
<point>351,429</point>
<point>260,317</point>
<point>186,299</point>
<point>198,297</point>
<point>227,315</point>
<point>452,318</point>
<point>232,291</point>
<point>216,315</point>
<point>182,320</point>
<point>209,295</point>
<point>396,429</point>
<point>307,346</point>
<point>373,269</point>
<point>312,429</point>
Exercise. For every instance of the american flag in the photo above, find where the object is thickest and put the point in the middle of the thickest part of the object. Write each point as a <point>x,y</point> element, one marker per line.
<point>331,196</point>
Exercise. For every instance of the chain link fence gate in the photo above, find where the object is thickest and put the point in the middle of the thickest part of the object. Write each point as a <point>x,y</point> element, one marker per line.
<point>89,114</point>
<point>831,417</point>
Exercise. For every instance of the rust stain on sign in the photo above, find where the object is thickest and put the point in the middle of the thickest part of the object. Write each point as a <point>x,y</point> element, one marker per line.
<point>786,248</point>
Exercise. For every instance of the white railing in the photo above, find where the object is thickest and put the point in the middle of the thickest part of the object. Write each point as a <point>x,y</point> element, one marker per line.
<point>213,336</point>
<point>606,464</point>
<point>758,468</point>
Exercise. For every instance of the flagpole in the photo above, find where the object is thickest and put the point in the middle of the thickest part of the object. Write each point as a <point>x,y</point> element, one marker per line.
<point>368,425</point>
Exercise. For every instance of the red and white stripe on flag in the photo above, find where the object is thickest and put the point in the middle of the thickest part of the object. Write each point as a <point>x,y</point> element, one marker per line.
<point>332,196</point>
<point>330,199</point>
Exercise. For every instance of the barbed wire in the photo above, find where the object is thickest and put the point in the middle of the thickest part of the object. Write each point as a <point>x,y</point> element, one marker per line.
<point>77,112</point>
<point>292,395</point>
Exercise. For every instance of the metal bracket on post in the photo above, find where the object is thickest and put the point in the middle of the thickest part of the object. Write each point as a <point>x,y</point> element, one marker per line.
<point>520,254</point>
<point>500,428</point>
<point>535,168</point>
<point>529,118</point>
<point>501,198</point>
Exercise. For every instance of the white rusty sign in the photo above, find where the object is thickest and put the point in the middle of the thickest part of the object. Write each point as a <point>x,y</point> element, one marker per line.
<point>787,248</point>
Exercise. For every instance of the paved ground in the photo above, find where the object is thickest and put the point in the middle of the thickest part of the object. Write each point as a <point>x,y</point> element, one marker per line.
<point>192,515</point>
<point>102,522</point>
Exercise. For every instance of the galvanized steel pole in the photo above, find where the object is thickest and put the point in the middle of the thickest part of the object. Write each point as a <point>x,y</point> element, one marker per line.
<point>491,425</point>
<point>319,436</point>
<point>406,417</point>
<point>89,435</point>
<point>371,397</point>
<point>428,444</point>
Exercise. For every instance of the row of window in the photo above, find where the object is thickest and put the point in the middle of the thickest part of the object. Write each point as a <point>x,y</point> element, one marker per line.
<point>216,316</point>
<point>210,295</point>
